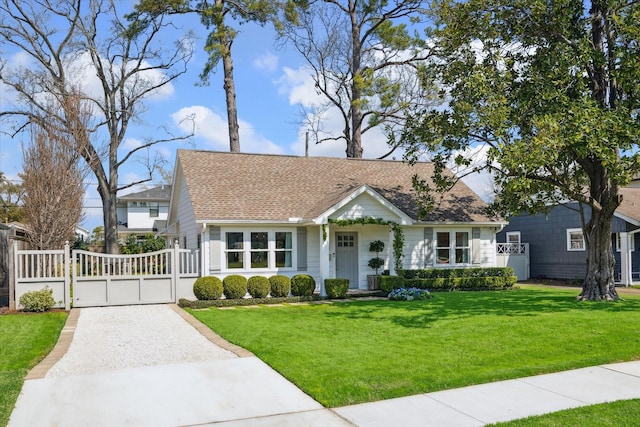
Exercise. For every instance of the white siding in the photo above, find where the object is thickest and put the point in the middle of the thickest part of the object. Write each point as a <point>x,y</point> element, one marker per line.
<point>413,248</point>
<point>313,254</point>
<point>138,217</point>
<point>187,219</point>
<point>364,205</point>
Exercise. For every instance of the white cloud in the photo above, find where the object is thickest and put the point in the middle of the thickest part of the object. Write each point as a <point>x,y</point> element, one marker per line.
<point>267,61</point>
<point>299,87</point>
<point>213,129</point>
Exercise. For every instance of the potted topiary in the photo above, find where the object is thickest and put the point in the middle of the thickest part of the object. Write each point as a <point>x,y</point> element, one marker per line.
<point>376,246</point>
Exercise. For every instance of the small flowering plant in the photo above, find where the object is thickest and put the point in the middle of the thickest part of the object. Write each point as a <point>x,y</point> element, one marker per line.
<point>409,294</point>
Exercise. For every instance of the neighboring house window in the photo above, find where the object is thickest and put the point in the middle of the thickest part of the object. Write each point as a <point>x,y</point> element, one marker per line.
<point>154,209</point>
<point>575,239</point>
<point>452,247</point>
<point>143,204</point>
<point>632,243</point>
<point>262,249</point>
<point>513,237</point>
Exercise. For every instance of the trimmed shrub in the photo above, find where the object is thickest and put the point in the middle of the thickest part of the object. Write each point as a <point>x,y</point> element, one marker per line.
<point>258,286</point>
<point>302,285</point>
<point>280,286</point>
<point>38,301</point>
<point>336,288</point>
<point>234,286</point>
<point>389,283</point>
<point>207,288</point>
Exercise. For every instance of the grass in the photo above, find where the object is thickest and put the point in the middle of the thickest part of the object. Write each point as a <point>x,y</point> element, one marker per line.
<point>613,414</point>
<point>25,339</point>
<point>347,353</point>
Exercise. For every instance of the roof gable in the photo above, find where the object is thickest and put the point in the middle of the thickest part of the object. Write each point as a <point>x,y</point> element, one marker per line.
<point>159,193</point>
<point>258,187</point>
<point>629,209</point>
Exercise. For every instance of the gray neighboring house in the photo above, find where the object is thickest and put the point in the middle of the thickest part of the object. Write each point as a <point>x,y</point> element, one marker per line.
<point>143,212</point>
<point>556,242</point>
<point>254,214</point>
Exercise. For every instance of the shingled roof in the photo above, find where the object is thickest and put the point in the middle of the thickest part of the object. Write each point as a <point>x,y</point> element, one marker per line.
<point>630,206</point>
<point>258,187</point>
<point>161,192</point>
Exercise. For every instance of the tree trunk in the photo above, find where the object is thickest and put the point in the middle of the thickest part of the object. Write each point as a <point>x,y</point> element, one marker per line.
<point>109,201</point>
<point>229,86</point>
<point>232,109</point>
<point>354,141</point>
<point>599,282</point>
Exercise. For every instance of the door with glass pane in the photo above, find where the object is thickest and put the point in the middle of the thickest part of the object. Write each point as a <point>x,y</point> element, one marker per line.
<point>347,258</point>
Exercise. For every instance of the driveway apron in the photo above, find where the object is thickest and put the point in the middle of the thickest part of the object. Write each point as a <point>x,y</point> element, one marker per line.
<point>146,366</point>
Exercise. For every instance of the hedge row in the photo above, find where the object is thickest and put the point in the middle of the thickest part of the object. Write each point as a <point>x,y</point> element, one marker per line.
<point>479,279</point>
<point>186,303</point>
<point>446,273</point>
<point>236,286</point>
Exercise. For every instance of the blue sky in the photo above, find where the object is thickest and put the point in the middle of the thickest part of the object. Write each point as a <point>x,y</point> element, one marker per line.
<point>271,84</point>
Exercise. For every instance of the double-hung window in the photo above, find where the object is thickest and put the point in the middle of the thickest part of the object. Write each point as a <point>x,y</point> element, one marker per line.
<point>258,250</point>
<point>575,239</point>
<point>154,209</point>
<point>452,248</point>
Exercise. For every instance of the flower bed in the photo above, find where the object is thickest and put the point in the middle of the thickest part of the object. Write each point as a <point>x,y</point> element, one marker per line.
<point>409,294</point>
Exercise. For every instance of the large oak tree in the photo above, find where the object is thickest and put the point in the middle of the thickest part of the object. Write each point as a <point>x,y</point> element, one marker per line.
<point>552,89</point>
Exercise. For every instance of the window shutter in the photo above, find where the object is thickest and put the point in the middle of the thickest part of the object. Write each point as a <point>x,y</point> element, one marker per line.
<point>214,249</point>
<point>428,247</point>
<point>476,256</point>
<point>302,248</point>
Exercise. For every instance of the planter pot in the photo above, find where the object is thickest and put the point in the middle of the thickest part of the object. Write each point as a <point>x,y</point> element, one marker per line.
<point>372,282</point>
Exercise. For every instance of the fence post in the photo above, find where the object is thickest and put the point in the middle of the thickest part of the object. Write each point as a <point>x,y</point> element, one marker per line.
<point>13,274</point>
<point>67,278</point>
<point>175,269</point>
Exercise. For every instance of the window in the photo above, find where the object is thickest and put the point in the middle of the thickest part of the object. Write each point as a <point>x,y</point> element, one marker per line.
<point>632,241</point>
<point>235,250</point>
<point>284,249</point>
<point>346,241</point>
<point>462,247</point>
<point>575,239</point>
<point>443,250</point>
<point>513,237</point>
<point>452,248</point>
<point>143,204</point>
<point>154,209</point>
<point>260,250</point>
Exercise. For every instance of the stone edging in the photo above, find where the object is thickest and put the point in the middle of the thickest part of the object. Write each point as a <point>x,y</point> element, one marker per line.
<point>59,350</point>
<point>210,335</point>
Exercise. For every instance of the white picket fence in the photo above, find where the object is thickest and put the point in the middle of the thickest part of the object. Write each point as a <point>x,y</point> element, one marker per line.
<point>84,279</point>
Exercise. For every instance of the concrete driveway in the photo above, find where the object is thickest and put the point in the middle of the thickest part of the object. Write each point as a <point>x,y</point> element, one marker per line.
<point>147,366</point>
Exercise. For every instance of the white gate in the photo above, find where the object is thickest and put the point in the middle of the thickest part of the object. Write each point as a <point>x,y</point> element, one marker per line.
<point>87,279</point>
<point>516,256</point>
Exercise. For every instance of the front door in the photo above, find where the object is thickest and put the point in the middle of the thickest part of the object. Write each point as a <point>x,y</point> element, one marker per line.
<point>347,258</point>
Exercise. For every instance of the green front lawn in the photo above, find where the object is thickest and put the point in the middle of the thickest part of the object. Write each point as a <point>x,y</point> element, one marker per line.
<point>613,414</point>
<point>352,352</point>
<point>25,339</point>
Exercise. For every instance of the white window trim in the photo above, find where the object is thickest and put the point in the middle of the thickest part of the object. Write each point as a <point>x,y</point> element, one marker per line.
<point>246,249</point>
<point>571,231</point>
<point>513,233</point>
<point>632,243</point>
<point>452,248</point>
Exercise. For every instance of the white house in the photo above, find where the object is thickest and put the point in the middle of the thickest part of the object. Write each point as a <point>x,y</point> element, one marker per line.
<point>143,212</point>
<point>255,214</point>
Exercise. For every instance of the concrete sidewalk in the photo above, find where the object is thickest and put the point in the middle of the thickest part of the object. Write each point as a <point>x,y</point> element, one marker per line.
<point>244,391</point>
